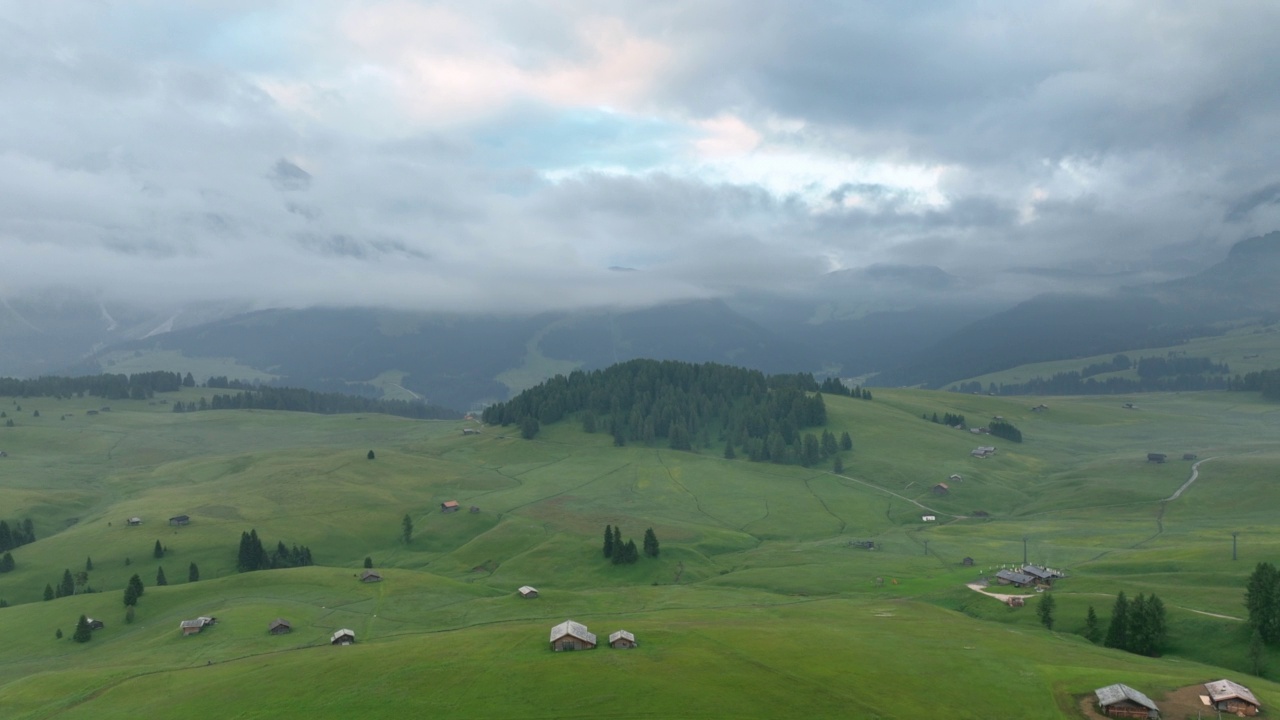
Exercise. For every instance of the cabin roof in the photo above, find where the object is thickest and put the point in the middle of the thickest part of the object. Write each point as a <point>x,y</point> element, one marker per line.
<point>524,589</point>
<point>1228,690</point>
<point>449,503</point>
<point>1112,694</point>
<point>341,633</point>
<point>1015,577</point>
<point>621,635</point>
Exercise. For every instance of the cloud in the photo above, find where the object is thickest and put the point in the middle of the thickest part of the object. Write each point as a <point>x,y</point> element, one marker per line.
<point>505,155</point>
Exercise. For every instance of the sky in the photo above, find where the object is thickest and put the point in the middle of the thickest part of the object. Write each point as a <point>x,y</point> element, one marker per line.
<point>513,156</point>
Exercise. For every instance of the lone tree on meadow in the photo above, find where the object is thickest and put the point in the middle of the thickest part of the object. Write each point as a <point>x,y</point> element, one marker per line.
<point>406,526</point>
<point>368,562</point>
<point>1044,610</point>
<point>1262,598</point>
<point>160,578</point>
<point>193,573</point>
<point>88,564</point>
<point>82,634</point>
<point>159,550</point>
<point>370,455</point>
<point>650,543</point>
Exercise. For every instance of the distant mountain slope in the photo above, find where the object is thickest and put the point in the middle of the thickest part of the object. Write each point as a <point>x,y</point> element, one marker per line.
<point>1052,327</point>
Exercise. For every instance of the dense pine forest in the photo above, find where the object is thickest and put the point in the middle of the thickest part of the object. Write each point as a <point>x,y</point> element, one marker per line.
<point>686,405</point>
<point>1155,374</point>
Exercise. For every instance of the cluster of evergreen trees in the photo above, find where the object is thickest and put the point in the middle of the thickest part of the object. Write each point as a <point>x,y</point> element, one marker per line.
<point>1262,599</point>
<point>1266,382</point>
<point>1155,374</point>
<point>254,557</point>
<point>300,400</point>
<point>626,553</point>
<point>15,537</point>
<point>1116,364</point>
<point>833,386</point>
<point>138,386</point>
<point>1138,626</point>
<point>1158,367</point>
<point>1006,430</point>
<point>948,419</point>
<point>681,403</point>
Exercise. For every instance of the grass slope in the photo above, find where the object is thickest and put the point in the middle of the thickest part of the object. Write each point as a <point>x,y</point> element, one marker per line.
<point>757,606</point>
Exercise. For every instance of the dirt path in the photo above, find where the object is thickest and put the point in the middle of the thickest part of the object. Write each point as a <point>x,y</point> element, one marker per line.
<point>1195,475</point>
<point>900,497</point>
<point>978,588</point>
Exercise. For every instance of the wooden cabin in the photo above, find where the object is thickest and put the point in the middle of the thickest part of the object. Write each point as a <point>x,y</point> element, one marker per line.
<point>1232,697</point>
<point>279,626</point>
<point>622,640</point>
<point>1156,457</point>
<point>528,592</point>
<point>967,562</point>
<point>470,431</point>
<point>1188,456</point>
<point>95,624</point>
<point>1016,579</point>
<point>475,509</point>
<point>191,627</point>
<point>941,489</point>
<point>1042,575</point>
<point>344,636</point>
<point>570,635</point>
<point>180,520</point>
<point>449,506</point>
<point>369,576</point>
<point>955,477</point>
<point>135,521</point>
<point>1123,701</point>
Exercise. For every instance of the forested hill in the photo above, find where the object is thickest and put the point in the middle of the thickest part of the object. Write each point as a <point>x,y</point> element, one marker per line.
<point>684,405</point>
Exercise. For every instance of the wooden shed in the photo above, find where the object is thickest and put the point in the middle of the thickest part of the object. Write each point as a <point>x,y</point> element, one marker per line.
<point>528,592</point>
<point>570,635</point>
<point>941,489</point>
<point>1123,701</point>
<point>1156,457</point>
<point>1016,579</point>
<point>370,576</point>
<point>1188,456</point>
<point>449,506</point>
<point>95,624</point>
<point>344,636</point>
<point>622,640</point>
<point>967,562</point>
<point>191,627</point>
<point>180,520</point>
<point>279,626</point>
<point>1232,697</point>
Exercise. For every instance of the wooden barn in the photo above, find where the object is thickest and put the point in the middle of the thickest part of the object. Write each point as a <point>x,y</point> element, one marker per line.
<point>1123,701</point>
<point>1188,456</point>
<point>528,592</point>
<point>180,520</point>
<point>941,489</point>
<point>370,576</point>
<point>450,506</point>
<point>475,509</point>
<point>1042,575</point>
<point>1016,579</point>
<point>344,636</point>
<point>135,521</point>
<point>191,627</point>
<point>1232,697</point>
<point>570,635</point>
<point>622,640</point>
<point>967,562</point>
<point>955,477</point>
<point>95,624</point>
<point>279,626</point>
<point>1156,457</point>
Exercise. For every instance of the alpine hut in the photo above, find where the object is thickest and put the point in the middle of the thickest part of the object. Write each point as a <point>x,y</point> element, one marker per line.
<point>528,592</point>
<point>570,635</point>
<point>370,576</point>
<point>1232,697</point>
<point>1123,701</point>
<point>344,636</point>
<point>279,626</point>
<point>449,506</point>
<point>622,640</point>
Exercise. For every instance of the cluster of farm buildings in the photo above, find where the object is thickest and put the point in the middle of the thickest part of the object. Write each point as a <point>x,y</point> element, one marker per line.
<point>1122,701</point>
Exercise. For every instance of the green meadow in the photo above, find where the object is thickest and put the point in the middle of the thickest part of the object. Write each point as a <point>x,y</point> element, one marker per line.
<point>758,606</point>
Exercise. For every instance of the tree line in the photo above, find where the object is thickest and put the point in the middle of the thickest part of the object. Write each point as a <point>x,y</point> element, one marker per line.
<point>627,553</point>
<point>300,400</point>
<point>680,404</point>
<point>138,386</point>
<point>1266,382</point>
<point>21,533</point>
<point>1138,626</point>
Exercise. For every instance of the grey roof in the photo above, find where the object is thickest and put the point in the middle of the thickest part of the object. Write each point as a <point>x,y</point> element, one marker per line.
<point>340,633</point>
<point>1112,694</point>
<point>1039,572</point>
<point>1227,690</point>
<point>621,635</point>
<point>198,623</point>
<point>1015,577</point>
<point>575,629</point>
<point>526,589</point>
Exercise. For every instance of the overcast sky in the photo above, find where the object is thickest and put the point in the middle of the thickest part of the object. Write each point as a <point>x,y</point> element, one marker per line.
<point>487,155</point>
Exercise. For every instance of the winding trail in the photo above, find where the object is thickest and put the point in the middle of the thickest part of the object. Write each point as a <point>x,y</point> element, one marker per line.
<point>1195,475</point>
<point>900,497</point>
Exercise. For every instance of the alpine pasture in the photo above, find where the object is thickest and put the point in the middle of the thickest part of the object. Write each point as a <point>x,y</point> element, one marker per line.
<point>758,605</point>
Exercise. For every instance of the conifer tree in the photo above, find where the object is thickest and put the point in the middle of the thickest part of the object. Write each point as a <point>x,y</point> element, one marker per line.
<point>368,562</point>
<point>1262,599</point>
<point>88,564</point>
<point>68,585</point>
<point>48,592</point>
<point>608,541</point>
<point>82,634</point>
<point>159,550</point>
<point>1044,610</point>
<point>370,455</point>
<point>617,541</point>
<point>650,543</point>
<point>837,467</point>
<point>846,442</point>
<point>1118,628</point>
<point>1092,631</point>
<point>193,573</point>
<point>57,634</point>
<point>135,582</point>
<point>632,553</point>
<point>7,563</point>
<point>160,578</point>
<point>406,528</point>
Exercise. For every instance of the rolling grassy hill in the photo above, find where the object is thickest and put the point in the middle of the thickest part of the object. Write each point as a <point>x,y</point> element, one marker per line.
<point>757,607</point>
